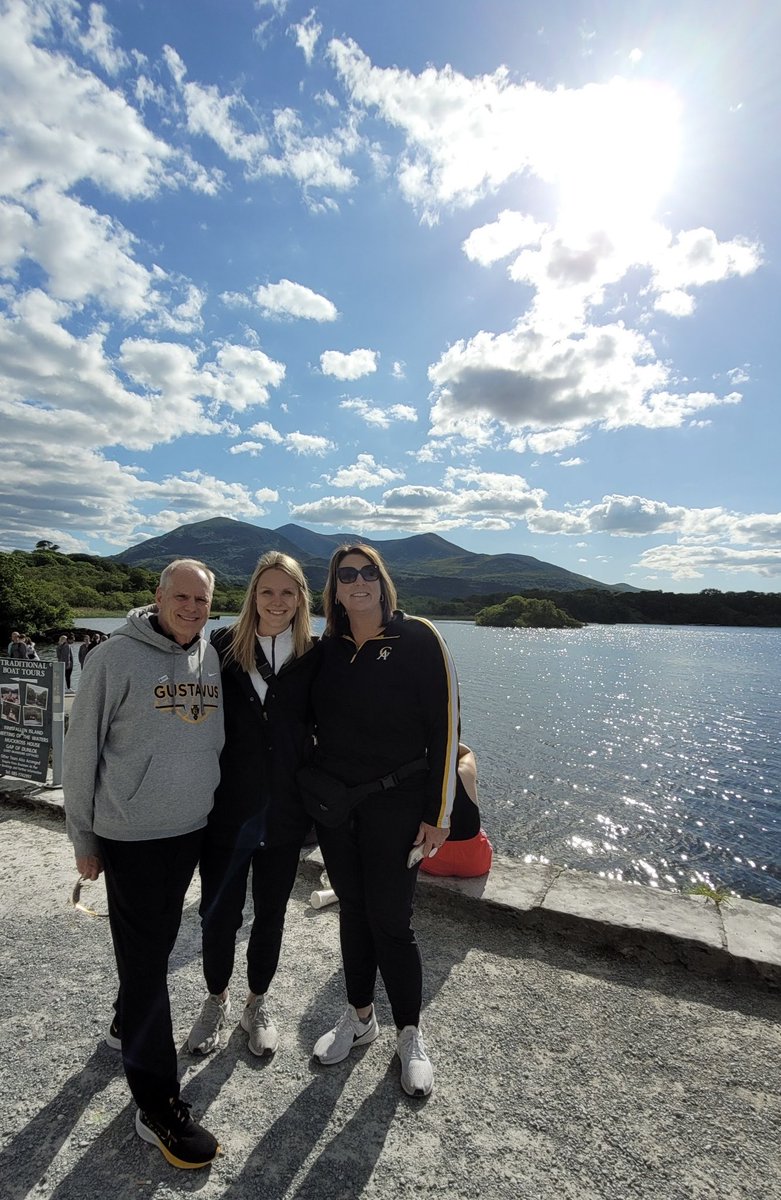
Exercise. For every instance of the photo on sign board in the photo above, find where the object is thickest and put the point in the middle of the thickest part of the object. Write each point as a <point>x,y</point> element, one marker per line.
<point>9,711</point>
<point>32,715</point>
<point>37,696</point>
<point>9,692</point>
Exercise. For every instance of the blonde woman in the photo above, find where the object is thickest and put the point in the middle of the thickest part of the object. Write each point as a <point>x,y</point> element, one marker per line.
<point>267,660</point>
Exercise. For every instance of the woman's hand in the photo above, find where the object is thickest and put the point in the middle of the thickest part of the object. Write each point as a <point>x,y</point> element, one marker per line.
<point>431,838</point>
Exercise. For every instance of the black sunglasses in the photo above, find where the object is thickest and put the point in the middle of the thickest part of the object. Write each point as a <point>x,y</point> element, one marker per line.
<point>369,573</point>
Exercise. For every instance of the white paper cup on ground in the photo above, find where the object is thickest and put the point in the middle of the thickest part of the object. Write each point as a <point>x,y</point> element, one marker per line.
<point>321,899</point>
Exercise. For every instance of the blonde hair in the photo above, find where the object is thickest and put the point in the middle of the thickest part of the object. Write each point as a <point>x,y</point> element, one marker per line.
<point>241,648</point>
<point>336,619</point>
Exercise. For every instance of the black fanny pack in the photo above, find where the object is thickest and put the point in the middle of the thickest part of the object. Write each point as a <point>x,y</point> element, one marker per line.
<point>329,801</point>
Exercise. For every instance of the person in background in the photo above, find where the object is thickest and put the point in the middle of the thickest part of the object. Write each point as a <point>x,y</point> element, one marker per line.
<point>84,648</point>
<point>467,853</point>
<point>386,709</point>
<point>258,821</point>
<point>65,656</point>
<point>140,770</point>
<point>31,652</point>
<point>13,651</point>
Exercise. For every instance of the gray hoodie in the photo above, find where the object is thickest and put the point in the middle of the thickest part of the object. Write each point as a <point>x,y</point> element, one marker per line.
<point>142,755</point>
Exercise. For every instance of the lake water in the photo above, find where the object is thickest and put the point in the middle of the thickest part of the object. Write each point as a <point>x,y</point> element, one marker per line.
<point>643,753</point>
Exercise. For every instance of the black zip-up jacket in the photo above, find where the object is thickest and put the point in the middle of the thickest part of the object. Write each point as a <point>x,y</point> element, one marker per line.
<point>393,701</point>
<point>257,801</point>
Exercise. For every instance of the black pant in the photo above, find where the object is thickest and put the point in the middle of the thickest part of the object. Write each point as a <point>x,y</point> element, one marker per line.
<point>366,860</point>
<point>146,884</point>
<point>224,871</point>
<point>68,673</point>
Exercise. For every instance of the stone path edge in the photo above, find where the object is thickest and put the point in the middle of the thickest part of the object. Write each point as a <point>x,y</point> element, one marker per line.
<point>737,940</point>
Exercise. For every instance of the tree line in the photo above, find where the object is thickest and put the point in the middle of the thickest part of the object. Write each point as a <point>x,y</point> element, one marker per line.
<point>708,607</point>
<point>40,590</point>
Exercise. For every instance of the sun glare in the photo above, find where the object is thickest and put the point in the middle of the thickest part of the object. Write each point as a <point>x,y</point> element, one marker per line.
<point>617,157</point>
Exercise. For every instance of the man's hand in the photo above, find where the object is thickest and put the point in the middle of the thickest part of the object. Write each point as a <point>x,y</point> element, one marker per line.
<point>89,866</point>
<point>431,837</point>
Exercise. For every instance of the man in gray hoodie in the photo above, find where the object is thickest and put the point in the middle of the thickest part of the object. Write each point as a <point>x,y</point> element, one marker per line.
<point>141,766</point>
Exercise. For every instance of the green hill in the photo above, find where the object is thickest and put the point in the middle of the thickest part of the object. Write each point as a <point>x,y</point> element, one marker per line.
<point>423,564</point>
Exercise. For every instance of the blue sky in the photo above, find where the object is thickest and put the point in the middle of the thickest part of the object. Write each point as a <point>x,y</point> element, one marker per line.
<point>504,271</point>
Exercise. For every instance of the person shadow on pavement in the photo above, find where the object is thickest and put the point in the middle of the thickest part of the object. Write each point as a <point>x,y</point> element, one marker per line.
<point>25,1160</point>
<point>275,1161</point>
<point>352,1154</point>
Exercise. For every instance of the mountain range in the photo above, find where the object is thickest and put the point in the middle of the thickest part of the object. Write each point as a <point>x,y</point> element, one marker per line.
<point>423,565</point>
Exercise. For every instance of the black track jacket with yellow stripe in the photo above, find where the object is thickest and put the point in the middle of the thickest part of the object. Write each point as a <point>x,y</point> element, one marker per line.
<point>391,702</point>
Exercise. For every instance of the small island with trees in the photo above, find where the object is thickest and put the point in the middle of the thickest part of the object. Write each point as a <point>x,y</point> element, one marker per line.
<point>516,612</point>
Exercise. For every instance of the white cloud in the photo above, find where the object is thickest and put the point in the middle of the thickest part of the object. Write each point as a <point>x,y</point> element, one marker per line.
<point>147,90</point>
<point>308,444</point>
<point>572,462</point>
<point>492,492</point>
<point>402,412</point>
<point>211,114</point>
<point>501,237</point>
<point>696,257</point>
<point>398,371</point>
<point>63,125</point>
<point>283,149</point>
<point>532,382</point>
<point>69,493</point>
<point>675,304</point>
<point>314,162</point>
<point>380,417</point>
<point>263,429</point>
<point>638,516</point>
<point>351,366</point>
<point>294,300</point>
<point>467,496</point>
<point>98,41</point>
<point>240,377</point>
<point>551,442</point>
<point>86,255</point>
<point>466,137</point>
<point>307,32</point>
<point>693,562</point>
<point>335,510</point>
<point>182,317</point>
<point>607,150</point>
<point>199,495</point>
<point>623,516</point>
<point>251,448</point>
<point>364,473</point>
<point>492,523</point>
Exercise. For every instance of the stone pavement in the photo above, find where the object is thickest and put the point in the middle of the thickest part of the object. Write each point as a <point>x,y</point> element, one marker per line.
<point>564,1071</point>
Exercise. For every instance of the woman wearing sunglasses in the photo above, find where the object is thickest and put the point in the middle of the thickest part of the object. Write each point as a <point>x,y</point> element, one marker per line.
<point>267,661</point>
<point>385,702</point>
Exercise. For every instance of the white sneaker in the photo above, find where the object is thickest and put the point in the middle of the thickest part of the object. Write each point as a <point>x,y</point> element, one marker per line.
<point>263,1033</point>
<point>349,1032</point>
<point>205,1033</point>
<point>417,1073</point>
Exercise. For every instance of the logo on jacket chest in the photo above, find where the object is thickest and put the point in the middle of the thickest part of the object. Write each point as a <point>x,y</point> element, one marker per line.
<point>384,652</point>
<point>192,702</point>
